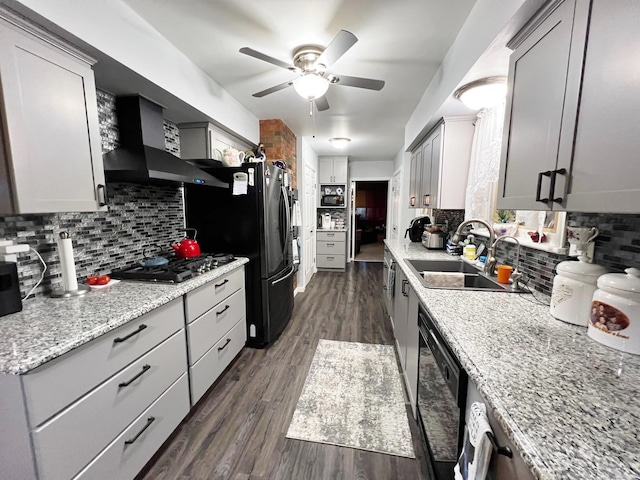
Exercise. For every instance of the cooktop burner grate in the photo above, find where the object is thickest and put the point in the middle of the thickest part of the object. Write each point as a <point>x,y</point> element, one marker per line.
<point>176,271</point>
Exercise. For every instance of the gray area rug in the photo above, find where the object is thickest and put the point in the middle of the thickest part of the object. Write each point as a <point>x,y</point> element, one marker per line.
<point>353,397</point>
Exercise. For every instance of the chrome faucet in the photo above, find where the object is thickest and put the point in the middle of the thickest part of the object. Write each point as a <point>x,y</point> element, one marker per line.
<point>492,236</point>
<point>491,260</point>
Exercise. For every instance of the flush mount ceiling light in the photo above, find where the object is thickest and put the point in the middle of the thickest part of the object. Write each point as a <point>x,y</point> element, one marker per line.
<point>339,142</point>
<point>483,93</point>
<point>311,86</point>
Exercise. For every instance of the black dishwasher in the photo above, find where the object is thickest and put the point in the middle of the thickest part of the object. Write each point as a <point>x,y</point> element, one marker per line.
<point>442,394</point>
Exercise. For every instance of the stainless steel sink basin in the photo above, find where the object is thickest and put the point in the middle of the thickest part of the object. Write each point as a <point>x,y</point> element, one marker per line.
<point>474,279</point>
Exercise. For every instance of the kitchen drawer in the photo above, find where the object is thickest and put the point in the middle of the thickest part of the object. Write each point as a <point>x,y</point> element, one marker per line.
<point>212,364</point>
<point>330,261</point>
<point>56,384</point>
<point>210,327</point>
<point>70,440</point>
<point>207,296</point>
<point>330,248</point>
<point>122,460</point>
<point>331,236</point>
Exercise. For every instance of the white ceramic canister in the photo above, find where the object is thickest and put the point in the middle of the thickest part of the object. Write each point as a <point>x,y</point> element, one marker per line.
<point>573,289</point>
<point>615,312</point>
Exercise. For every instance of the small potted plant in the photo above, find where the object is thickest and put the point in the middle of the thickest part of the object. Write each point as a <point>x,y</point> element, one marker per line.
<point>503,226</point>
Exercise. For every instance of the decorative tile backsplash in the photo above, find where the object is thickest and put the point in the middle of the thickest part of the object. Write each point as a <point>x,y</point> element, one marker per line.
<point>617,247</point>
<point>103,241</point>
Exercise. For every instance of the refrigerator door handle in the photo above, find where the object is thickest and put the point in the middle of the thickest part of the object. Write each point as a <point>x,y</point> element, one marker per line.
<point>288,215</point>
<point>293,269</point>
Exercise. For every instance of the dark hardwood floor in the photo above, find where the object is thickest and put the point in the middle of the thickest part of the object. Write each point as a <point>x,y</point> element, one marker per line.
<point>238,429</point>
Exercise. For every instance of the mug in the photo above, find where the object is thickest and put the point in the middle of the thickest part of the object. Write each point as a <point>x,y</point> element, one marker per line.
<point>581,235</point>
<point>230,157</point>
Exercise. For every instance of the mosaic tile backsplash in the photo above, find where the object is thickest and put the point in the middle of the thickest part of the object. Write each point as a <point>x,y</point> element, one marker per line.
<point>617,248</point>
<point>103,241</point>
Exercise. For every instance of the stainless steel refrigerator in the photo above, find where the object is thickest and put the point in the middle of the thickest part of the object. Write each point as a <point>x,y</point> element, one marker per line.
<point>254,221</point>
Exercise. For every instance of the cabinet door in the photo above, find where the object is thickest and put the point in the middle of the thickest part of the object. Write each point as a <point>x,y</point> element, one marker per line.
<point>415,179</point>
<point>340,169</point>
<point>51,122</point>
<point>537,79</point>
<point>425,193</point>
<point>401,310</point>
<point>325,170</point>
<point>411,347</point>
<point>436,158</point>
<point>605,168</point>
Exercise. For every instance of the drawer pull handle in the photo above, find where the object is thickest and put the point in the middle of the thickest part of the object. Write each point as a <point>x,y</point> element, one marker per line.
<point>226,307</point>
<point>330,244</point>
<point>223,283</point>
<point>150,420</point>
<point>126,384</point>
<point>225,345</point>
<point>127,337</point>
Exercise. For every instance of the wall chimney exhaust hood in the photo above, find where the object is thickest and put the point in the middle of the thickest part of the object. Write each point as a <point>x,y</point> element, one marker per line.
<point>141,157</point>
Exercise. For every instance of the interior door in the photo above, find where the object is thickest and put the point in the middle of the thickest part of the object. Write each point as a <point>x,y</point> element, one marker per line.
<point>309,221</point>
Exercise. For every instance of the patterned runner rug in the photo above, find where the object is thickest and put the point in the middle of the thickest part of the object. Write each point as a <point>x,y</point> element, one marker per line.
<point>353,397</point>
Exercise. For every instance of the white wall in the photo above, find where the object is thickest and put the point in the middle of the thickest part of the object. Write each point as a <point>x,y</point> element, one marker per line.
<point>306,156</point>
<point>487,20</point>
<point>116,30</point>
<point>371,170</point>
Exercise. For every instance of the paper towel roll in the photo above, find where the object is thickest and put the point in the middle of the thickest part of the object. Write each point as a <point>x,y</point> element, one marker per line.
<point>65,252</point>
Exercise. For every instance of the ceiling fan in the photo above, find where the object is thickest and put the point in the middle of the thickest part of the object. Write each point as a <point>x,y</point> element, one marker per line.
<point>311,62</point>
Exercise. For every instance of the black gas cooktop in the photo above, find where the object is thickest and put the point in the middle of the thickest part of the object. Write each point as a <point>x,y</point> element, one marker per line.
<point>176,271</point>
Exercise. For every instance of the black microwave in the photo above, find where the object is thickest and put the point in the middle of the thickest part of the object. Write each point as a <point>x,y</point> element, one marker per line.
<point>332,201</point>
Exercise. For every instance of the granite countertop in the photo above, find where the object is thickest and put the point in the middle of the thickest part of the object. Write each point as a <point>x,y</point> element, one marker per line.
<point>49,327</point>
<point>570,405</point>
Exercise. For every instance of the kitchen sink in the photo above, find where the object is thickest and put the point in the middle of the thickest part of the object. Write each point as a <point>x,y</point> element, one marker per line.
<point>474,279</point>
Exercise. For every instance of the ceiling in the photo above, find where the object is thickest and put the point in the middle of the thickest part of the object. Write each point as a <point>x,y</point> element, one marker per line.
<point>401,42</point>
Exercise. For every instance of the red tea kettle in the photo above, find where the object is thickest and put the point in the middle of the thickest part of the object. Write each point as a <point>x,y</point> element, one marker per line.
<point>187,247</point>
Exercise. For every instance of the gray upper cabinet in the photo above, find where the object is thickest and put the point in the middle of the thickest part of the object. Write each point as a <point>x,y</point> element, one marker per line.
<point>570,139</point>
<point>333,170</point>
<point>203,140</point>
<point>51,158</point>
<point>440,166</point>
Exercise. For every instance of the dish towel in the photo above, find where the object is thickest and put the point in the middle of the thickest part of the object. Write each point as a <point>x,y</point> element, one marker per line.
<point>391,278</point>
<point>476,453</point>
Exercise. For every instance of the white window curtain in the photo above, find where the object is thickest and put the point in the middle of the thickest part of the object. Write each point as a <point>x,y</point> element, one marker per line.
<point>484,169</point>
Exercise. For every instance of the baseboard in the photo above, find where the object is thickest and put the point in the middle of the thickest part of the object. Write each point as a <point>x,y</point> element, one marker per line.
<point>298,290</point>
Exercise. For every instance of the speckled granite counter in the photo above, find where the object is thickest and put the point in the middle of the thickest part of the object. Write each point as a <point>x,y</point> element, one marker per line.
<point>47,328</point>
<point>570,405</point>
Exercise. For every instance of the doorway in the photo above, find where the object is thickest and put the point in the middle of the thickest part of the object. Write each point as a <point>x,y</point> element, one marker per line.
<point>370,202</point>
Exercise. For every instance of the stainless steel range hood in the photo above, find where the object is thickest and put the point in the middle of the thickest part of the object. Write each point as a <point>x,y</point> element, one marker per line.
<point>141,158</point>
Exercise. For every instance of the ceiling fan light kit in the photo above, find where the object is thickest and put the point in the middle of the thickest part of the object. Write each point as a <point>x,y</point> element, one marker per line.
<point>339,142</point>
<point>311,63</point>
<point>311,86</point>
<point>482,93</point>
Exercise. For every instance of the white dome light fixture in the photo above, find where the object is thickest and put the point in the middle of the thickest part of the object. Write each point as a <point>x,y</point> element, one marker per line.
<point>339,142</point>
<point>311,86</point>
<point>483,93</point>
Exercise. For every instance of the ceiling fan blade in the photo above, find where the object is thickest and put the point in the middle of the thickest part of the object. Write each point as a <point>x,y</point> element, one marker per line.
<point>342,42</point>
<point>282,86</point>
<point>266,58</point>
<point>359,82</point>
<point>322,103</point>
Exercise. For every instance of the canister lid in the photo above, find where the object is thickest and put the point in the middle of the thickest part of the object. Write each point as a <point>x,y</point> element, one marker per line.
<point>581,268</point>
<point>624,282</point>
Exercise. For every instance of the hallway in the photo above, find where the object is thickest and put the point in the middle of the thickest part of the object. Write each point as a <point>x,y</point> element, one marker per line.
<point>238,430</point>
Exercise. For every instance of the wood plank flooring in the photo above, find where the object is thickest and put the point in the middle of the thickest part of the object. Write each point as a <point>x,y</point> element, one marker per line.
<point>238,430</point>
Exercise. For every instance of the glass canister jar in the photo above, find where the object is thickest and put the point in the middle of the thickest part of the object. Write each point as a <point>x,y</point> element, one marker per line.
<point>615,311</point>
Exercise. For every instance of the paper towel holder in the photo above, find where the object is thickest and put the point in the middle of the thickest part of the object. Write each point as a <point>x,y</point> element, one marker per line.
<point>61,292</point>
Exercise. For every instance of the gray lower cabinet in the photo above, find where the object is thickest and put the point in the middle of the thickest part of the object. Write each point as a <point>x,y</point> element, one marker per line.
<point>51,160</point>
<point>570,140</point>
<point>78,405</point>
<point>331,249</point>
<point>216,329</point>
<point>405,330</point>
